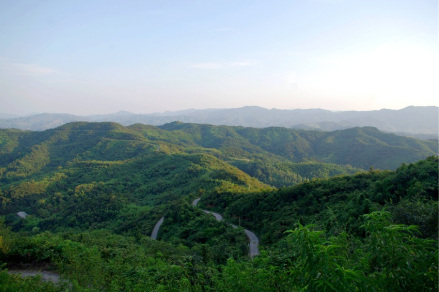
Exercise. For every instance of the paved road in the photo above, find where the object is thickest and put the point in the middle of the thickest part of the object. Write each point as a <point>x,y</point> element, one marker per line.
<point>254,241</point>
<point>195,202</point>
<point>45,275</point>
<point>217,216</point>
<point>156,228</point>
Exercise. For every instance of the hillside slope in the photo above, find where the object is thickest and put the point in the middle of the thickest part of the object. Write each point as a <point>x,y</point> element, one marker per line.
<point>338,204</point>
<point>87,174</point>
<point>277,156</point>
<point>359,147</point>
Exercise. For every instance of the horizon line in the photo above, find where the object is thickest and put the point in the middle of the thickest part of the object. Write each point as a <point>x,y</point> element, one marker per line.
<point>13,115</point>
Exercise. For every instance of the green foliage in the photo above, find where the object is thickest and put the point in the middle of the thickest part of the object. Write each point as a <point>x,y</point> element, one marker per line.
<point>13,283</point>
<point>322,264</point>
<point>95,191</point>
<point>258,275</point>
<point>92,194</point>
<point>214,241</point>
<point>277,156</point>
<point>101,261</point>
<point>391,258</point>
<point>359,147</point>
<point>400,261</point>
<point>280,173</point>
<point>5,238</point>
<point>338,204</point>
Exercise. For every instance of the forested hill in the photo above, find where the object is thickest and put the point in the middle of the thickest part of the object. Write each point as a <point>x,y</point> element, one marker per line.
<point>94,191</point>
<point>94,174</point>
<point>360,147</point>
<point>410,193</point>
<point>276,156</point>
<point>151,166</point>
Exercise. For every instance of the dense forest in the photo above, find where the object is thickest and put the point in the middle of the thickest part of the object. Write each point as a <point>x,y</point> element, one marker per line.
<point>346,210</point>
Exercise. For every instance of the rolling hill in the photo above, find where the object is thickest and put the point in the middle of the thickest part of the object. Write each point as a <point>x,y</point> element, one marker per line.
<point>276,156</point>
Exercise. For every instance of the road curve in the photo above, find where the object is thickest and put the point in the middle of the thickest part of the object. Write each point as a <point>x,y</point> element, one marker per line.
<point>156,228</point>
<point>217,216</point>
<point>254,241</point>
<point>195,202</point>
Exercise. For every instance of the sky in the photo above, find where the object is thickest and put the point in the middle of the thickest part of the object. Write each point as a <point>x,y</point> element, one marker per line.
<point>97,57</point>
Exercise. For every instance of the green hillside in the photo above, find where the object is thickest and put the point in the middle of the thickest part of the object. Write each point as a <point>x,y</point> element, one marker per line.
<point>276,156</point>
<point>353,243</point>
<point>410,193</point>
<point>280,156</point>
<point>94,192</point>
<point>359,147</point>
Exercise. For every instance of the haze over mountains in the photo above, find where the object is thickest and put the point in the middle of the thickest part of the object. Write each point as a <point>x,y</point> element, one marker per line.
<point>417,121</point>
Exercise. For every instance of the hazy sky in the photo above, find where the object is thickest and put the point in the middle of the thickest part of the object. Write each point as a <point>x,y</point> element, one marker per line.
<point>87,57</point>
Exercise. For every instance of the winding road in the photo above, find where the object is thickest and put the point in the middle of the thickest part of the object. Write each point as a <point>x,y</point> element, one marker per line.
<point>195,202</point>
<point>157,228</point>
<point>216,215</point>
<point>254,241</point>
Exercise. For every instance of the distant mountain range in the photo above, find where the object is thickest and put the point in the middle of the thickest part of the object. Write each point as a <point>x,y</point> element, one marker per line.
<point>421,122</point>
